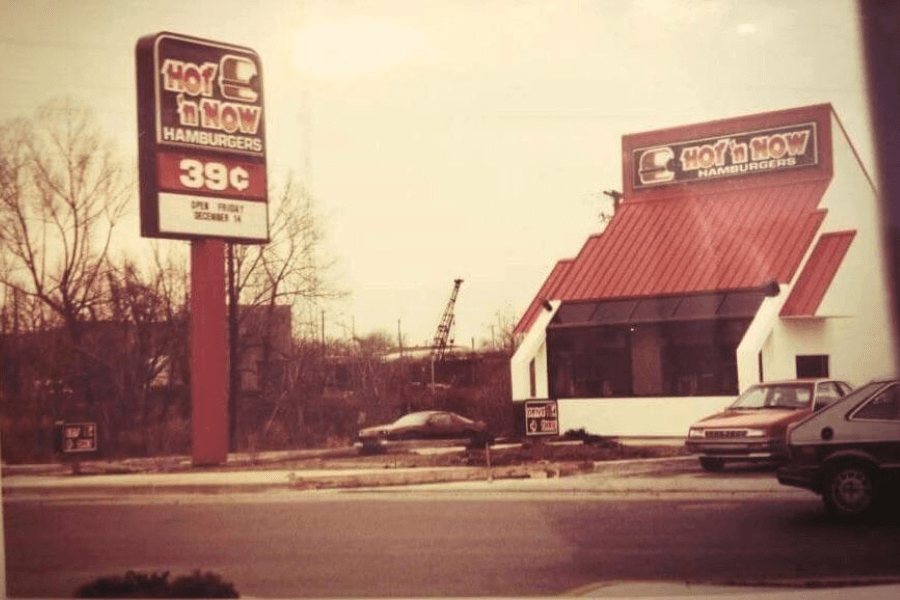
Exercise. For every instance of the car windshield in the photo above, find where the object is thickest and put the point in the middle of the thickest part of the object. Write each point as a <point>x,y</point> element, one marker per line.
<point>775,396</point>
<point>412,419</point>
<point>858,394</point>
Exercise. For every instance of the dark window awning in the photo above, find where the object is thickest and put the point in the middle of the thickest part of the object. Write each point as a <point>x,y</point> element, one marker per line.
<point>689,307</point>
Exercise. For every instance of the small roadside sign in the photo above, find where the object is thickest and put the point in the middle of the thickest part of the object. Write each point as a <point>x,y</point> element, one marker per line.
<point>79,437</point>
<point>541,417</point>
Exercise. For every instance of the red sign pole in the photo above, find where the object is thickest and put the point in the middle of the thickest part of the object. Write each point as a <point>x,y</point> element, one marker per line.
<point>209,353</point>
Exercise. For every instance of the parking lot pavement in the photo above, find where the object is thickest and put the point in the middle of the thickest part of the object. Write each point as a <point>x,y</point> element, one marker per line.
<point>680,475</point>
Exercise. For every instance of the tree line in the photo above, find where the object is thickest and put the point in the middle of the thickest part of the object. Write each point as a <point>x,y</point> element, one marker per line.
<point>90,332</point>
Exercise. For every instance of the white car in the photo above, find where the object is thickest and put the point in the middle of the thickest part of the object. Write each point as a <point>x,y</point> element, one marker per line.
<point>849,452</point>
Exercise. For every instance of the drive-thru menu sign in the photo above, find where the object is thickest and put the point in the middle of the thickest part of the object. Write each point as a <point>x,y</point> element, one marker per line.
<point>202,140</point>
<point>541,417</point>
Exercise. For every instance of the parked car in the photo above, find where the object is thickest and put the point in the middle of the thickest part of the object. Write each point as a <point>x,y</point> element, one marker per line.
<point>850,452</point>
<point>753,428</point>
<point>429,424</point>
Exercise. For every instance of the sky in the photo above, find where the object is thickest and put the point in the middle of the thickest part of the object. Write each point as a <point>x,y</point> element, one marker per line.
<point>466,139</point>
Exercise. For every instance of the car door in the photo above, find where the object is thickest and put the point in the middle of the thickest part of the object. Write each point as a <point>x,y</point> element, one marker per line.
<point>440,425</point>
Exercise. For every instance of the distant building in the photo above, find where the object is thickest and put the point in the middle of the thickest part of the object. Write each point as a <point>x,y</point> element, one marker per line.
<point>744,250</point>
<point>265,339</point>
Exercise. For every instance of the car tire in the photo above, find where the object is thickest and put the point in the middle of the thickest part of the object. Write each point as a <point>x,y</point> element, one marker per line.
<point>477,441</point>
<point>849,489</point>
<point>369,448</point>
<point>712,465</point>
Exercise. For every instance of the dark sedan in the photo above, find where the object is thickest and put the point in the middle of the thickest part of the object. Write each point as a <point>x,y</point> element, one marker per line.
<point>849,452</point>
<point>430,425</point>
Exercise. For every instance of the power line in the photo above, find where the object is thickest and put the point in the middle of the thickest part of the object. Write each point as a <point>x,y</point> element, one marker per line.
<point>45,44</point>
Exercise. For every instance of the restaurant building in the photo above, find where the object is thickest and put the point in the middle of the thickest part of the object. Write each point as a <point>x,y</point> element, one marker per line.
<point>743,250</point>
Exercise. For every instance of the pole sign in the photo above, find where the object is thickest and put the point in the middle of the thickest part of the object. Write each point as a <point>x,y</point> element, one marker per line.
<point>541,417</point>
<point>734,155</point>
<point>202,148</point>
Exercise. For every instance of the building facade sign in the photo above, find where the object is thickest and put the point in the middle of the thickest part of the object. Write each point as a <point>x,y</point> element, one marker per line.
<point>725,156</point>
<point>202,144</point>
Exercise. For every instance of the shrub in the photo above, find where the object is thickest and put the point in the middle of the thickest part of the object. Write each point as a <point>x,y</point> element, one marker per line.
<point>157,585</point>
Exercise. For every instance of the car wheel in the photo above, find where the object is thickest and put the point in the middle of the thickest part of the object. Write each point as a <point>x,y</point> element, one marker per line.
<point>371,448</point>
<point>711,464</point>
<point>849,489</point>
<point>476,440</point>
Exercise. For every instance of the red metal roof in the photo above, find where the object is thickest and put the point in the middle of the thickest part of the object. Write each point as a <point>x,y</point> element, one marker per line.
<point>717,241</point>
<point>820,269</point>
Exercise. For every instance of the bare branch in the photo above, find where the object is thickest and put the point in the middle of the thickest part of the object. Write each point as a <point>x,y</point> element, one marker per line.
<point>61,203</point>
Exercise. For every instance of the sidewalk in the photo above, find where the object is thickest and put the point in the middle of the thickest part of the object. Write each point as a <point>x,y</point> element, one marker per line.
<point>676,475</point>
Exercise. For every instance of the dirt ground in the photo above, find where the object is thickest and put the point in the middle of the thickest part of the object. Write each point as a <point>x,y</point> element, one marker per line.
<point>401,457</point>
<point>397,455</point>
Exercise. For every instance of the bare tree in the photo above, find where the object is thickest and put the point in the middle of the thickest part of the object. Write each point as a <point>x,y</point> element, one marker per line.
<point>149,317</point>
<point>63,192</point>
<point>283,271</point>
<point>264,281</point>
<point>503,332</point>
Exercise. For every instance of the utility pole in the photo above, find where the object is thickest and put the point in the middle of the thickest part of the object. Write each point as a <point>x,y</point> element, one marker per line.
<point>617,202</point>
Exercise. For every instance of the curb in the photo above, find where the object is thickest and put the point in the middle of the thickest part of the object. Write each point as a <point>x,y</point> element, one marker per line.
<point>372,479</point>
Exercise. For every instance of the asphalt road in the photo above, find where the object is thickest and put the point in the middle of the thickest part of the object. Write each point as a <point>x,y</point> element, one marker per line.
<point>434,543</point>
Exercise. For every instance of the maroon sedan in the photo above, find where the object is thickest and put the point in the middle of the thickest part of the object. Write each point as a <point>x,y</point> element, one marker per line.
<point>429,424</point>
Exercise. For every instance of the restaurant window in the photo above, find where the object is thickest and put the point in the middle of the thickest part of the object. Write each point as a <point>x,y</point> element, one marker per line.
<point>700,357</point>
<point>675,358</point>
<point>815,365</point>
<point>590,362</point>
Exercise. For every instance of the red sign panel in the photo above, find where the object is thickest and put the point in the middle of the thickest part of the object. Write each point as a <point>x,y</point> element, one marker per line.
<point>742,153</point>
<point>770,148</point>
<point>237,179</point>
<point>202,139</point>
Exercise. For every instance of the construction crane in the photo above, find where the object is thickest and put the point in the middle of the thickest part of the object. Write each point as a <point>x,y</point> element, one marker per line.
<point>439,346</point>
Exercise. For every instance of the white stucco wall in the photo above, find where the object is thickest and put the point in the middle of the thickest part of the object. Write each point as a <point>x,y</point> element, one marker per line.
<point>532,348</point>
<point>756,339</point>
<point>853,323</point>
<point>637,417</point>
